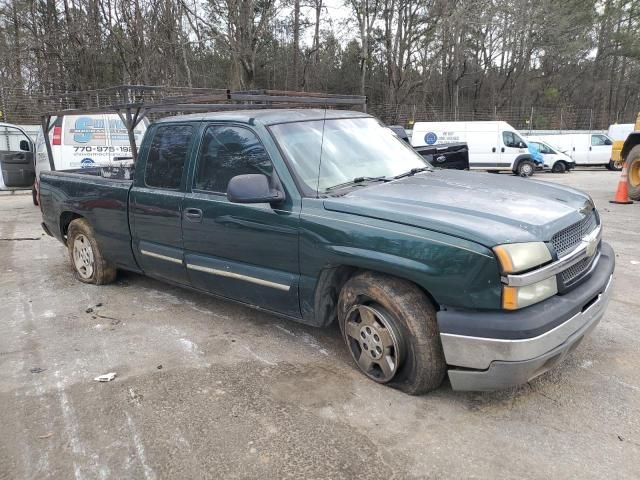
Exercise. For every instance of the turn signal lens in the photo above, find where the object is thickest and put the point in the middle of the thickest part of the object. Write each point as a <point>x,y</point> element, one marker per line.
<point>514,298</point>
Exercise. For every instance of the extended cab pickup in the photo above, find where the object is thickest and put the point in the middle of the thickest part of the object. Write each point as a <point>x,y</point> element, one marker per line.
<point>324,216</point>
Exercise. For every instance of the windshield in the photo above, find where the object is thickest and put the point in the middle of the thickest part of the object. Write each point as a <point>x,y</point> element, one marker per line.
<point>352,148</point>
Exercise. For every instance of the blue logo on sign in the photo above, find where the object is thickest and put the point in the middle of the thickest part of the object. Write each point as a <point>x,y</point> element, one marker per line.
<point>83,130</point>
<point>87,163</point>
<point>430,138</point>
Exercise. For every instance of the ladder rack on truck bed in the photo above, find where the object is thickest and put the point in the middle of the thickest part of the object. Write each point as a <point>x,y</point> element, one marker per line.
<point>133,103</point>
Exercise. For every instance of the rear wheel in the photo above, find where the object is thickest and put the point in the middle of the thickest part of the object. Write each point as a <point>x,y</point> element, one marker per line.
<point>389,326</point>
<point>559,167</point>
<point>615,166</point>
<point>85,255</point>
<point>525,168</point>
<point>633,173</point>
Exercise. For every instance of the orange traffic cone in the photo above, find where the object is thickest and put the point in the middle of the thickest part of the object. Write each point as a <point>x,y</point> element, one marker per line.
<point>622,193</point>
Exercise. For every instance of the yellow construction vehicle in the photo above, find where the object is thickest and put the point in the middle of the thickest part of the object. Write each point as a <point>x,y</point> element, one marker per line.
<point>629,153</point>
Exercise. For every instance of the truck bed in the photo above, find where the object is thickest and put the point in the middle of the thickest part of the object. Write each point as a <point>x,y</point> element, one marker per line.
<point>101,195</point>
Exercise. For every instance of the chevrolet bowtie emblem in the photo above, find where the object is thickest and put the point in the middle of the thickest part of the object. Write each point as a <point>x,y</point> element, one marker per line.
<point>591,242</point>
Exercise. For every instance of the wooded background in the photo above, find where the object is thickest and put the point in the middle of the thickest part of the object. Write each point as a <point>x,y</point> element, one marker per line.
<point>542,64</point>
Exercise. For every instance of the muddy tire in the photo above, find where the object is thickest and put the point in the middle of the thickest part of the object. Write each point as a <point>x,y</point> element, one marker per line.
<point>559,167</point>
<point>633,173</point>
<point>526,168</point>
<point>87,260</point>
<point>390,328</point>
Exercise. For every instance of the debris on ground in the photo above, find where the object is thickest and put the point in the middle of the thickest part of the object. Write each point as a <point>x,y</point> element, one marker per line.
<point>159,367</point>
<point>46,435</point>
<point>37,370</point>
<point>107,377</point>
<point>88,310</point>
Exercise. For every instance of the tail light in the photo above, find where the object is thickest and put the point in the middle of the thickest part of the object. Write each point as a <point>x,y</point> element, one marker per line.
<point>57,135</point>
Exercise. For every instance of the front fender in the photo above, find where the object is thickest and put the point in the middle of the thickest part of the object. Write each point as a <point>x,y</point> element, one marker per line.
<point>453,271</point>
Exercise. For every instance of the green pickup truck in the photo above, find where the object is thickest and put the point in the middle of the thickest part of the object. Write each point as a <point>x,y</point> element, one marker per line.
<point>324,216</point>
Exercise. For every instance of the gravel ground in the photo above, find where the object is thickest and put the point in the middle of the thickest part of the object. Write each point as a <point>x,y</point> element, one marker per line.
<point>210,389</point>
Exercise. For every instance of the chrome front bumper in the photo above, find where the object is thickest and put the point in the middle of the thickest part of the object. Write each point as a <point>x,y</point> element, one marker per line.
<point>500,363</point>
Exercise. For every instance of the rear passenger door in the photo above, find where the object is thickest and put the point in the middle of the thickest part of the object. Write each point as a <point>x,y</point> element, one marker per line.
<point>247,252</point>
<point>156,203</point>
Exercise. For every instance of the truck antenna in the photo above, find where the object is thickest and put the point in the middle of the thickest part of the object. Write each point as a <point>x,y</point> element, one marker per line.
<point>324,121</point>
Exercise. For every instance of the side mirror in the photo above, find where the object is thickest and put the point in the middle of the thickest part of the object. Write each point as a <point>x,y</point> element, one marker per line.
<point>253,188</point>
<point>25,146</point>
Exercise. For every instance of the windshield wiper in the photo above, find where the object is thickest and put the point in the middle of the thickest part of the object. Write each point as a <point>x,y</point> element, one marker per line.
<point>358,180</point>
<point>412,172</point>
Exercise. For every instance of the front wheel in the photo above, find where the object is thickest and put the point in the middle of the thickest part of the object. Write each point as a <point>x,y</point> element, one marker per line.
<point>525,168</point>
<point>559,167</point>
<point>390,328</point>
<point>633,173</point>
<point>85,254</point>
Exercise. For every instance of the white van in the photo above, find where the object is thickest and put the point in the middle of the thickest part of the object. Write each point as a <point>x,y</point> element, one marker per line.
<point>85,141</point>
<point>493,146</point>
<point>588,149</point>
<point>620,131</point>
<point>554,159</point>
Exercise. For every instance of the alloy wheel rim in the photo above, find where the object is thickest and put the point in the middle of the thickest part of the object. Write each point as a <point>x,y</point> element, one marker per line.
<point>373,342</point>
<point>83,256</point>
<point>526,169</point>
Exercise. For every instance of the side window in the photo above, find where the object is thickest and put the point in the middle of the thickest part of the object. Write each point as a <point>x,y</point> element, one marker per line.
<point>509,139</point>
<point>13,140</point>
<point>226,152</point>
<point>167,156</point>
<point>599,140</point>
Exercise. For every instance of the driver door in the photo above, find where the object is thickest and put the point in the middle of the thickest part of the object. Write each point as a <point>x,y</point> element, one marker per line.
<point>16,158</point>
<point>246,252</point>
<point>513,147</point>
<point>600,149</point>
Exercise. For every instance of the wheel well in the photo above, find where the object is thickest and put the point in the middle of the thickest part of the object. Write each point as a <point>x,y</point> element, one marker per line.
<point>65,219</point>
<point>520,159</point>
<point>632,140</point>
<point>330,283</point>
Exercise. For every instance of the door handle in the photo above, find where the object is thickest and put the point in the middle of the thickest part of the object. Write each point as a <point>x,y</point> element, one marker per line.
<point>493,149</point>
<point>193,214</point>
<point>589,148</point>
<point>502,149</point>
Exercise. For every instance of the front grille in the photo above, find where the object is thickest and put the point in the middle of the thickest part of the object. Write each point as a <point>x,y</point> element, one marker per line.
<point>574,271</point>
<point>568,238</point>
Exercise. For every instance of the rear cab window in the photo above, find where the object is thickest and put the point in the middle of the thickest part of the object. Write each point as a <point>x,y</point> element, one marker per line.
<point>167,156</point>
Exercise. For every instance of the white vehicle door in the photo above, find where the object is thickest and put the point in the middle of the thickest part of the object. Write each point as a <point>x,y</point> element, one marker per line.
<point>16,158</point>
<point>512,147</point>
<point>580,145</point>
<point>484,150</point>
<point>84,142</point>
<point>600,149</point>
<point>118,139</point>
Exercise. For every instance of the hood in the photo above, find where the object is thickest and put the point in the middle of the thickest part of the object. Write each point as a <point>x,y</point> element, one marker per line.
<point>489,209</point>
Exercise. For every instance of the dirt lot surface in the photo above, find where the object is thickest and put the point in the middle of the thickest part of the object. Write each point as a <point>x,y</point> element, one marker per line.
<point>210,389</point>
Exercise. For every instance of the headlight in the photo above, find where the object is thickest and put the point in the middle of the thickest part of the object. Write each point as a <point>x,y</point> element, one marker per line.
<point>518,257</point>
<point>514,298</point>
